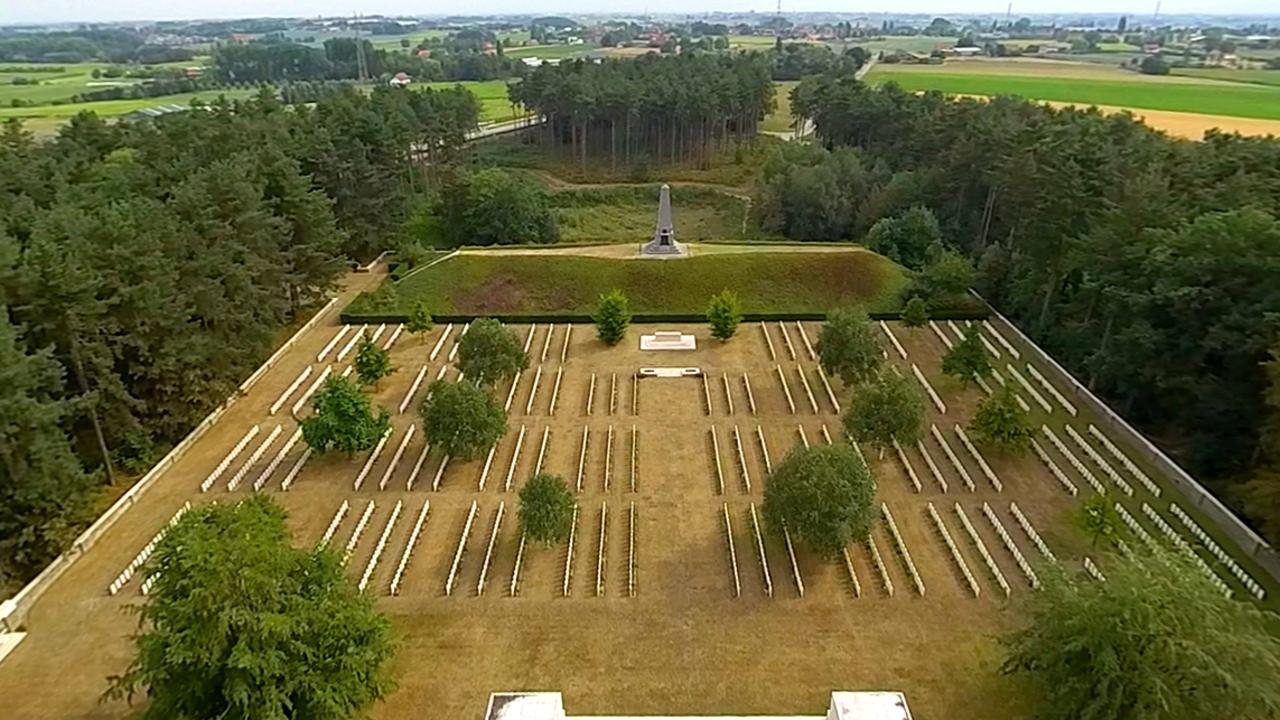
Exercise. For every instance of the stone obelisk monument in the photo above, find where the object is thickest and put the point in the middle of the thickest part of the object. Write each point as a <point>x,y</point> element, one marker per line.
<point>664,242</point>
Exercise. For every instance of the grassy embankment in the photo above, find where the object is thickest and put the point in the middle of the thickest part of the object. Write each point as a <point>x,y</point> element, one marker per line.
<point>767,279</point>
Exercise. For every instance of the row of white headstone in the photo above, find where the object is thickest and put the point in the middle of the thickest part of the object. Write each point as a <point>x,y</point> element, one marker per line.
<point>1012,547</point>
<point>1181,544</point>
<point>879,563</point>
<point>982,550</point>
<point>901,545</point>
<point>951,456</point>
<point>955,551</point>
<point>1080,468</point>
<point>1124,460</point>
<point>145,553</point>
<point>1100,461</point>
<point>977,457</point>
<point>1030,530</point>
<point>1054,470</point>
<point>1216,550</point>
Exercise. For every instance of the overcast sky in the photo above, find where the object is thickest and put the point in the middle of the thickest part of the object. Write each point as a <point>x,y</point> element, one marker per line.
<point>21,11</point>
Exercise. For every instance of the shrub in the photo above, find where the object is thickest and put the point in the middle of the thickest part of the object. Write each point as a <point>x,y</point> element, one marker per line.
<point>546,509</point>
<point>724,315</point>
<point>612,317</point>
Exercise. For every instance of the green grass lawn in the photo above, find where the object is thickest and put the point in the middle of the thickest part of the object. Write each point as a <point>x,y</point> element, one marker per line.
<point>772,281</point>
<point>627,214</point>
<point>492,94</point>
<point>1238,99</point>
<point>1254,77</point>
<point>780,119</point>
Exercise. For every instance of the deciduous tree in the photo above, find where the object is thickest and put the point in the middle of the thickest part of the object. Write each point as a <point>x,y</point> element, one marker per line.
<point>1001,423</point>
<point>1156,641</point>
<point>724,315</point>
<point>241,624</point>
<point>612,317</point>
<point>967,359</point>
<point>490,352</point>
<point>462,419</point>
<point>823,495</point>
<point>915,313</point>
<point>419,322</point>
<point>546,509</point>
<point>344,419</point>
<point>886,409</point>
<point>847,345</point>
<point>372,363</point>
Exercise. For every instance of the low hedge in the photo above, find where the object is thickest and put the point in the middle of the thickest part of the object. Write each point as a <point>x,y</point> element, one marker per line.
<point>974,313</point>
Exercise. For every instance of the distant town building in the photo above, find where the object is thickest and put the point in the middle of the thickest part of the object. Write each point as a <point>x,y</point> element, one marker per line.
<point>400,80</point>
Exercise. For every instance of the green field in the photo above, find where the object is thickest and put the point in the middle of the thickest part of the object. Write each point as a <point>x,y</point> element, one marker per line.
<point>73,79</point>
<point>917,44</point>
<point>766,280</point>
<point>548,52</point>
<point>113,108</point>
<point>626,214</point>
<point>492,94</point>
<point>1253,77</point>
<point>1232,99</point>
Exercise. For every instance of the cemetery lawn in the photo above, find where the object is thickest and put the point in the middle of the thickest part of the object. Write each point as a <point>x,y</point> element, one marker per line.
<point>1061,82</point>
<point>511,282</point>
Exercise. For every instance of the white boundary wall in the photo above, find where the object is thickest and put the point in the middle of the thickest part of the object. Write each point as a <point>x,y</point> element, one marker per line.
<point>1248,541</point>
<point>13,612</point>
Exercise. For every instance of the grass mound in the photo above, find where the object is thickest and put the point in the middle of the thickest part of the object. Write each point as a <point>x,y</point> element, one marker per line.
<point>768,282</point>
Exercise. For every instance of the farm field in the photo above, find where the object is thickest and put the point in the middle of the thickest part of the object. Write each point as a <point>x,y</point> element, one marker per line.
<point>568,280</point>
<point>116,108</point>
<point>549,52</point>
<point>1257,77</point>
<point>669,593</point>
<point>1086,84</point>
<point>70,81</point>
<point>492,94</point>
<point>918,44</point>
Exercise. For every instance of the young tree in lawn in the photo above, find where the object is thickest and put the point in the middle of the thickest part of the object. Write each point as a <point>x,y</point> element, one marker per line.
<point>490,352</point>
<point>886,409</point>
<point>1097,517</point>
<point>372,362</point>
<point>823,495</point>
<point>546,509</point>
<point>915,313</point>
<point>612,317</point>
<point>343,419</point>
<point>1156,641</point>
<point>967,359</point>
<point>1002,424</point>
<point>239,623</point>
<point>420,322</point>
<point>847,345</point>
<point>724,315</point>
<point>462,418</point>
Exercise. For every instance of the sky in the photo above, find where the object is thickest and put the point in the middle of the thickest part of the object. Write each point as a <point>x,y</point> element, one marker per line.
<point>26,11</point>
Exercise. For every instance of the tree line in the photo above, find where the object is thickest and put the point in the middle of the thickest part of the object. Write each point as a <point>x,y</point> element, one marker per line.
<point>146,268</point>
<point>665,109</point>
<point>1149,265</point>
<point>278,60</point>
